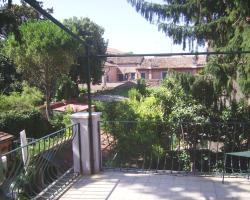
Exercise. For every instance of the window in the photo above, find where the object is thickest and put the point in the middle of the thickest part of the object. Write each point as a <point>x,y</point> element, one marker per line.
<point>132,76</point>
<point>120,77</point>
<point>126,77</point>
<point>143,75</point>
<point>164,75</point>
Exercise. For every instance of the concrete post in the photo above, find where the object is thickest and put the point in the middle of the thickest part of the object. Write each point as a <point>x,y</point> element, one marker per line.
<point>81,144</point>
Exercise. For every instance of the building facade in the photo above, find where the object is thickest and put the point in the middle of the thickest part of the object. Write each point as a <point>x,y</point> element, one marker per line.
<point>154,69</point>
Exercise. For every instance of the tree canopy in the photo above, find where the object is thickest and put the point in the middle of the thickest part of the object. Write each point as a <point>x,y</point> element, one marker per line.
<point>222,25</point>
<point>189,20</point>
<point>13,15</point>
<point>8,75</point>
<point>44,53</point>
<point>92,34</point>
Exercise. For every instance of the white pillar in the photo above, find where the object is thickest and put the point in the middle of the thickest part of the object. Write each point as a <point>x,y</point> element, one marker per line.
<point>81,153</point>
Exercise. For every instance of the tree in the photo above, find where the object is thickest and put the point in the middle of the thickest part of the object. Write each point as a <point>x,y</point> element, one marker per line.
<point>204,21</point>
<point>203,91</point>
<point>13,15</point>
<point>44,53</point>
<point>92,34</point>
<point>223,25</point>
<point>8,75</point>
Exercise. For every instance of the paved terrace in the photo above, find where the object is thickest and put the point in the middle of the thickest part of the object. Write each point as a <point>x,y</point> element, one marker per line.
<point>136,186</point>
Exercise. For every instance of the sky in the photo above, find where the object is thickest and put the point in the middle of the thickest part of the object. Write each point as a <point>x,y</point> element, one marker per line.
<point>125,29</point>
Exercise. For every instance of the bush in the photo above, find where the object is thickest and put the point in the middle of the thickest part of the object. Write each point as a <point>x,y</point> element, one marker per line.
<point>27,99</point>
<point>8,75</point>
<point>141,87</point>
<point>31,120</point>
<point>66,89</point>
<point>18,112</point>
<point>134,94</point>
<point>57,121</point>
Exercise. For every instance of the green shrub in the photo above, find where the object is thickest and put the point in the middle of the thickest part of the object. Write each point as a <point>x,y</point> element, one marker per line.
<point>134,94</point>
<point>61,119</point>
<point>31,120</point>
<point>141,87</point>
<point>66,89</point>
<point>56,121</point>
<point>18,112</point>
<point>27,99</point>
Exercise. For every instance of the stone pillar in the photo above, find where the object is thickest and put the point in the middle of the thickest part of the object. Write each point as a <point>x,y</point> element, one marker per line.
<point>81,144</point>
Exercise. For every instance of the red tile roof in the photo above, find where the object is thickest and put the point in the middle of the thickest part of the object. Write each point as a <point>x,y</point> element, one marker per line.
<point>76,107</point>
<point>5,136</point>
<point>126,60</point>
<point>108,64</point>
<point>113,51</point>
<point>174,62</point>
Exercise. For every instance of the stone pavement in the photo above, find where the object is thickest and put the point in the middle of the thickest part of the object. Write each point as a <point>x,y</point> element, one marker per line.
<point>141,186</point>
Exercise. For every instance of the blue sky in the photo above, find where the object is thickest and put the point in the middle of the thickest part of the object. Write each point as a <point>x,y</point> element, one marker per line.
<point>125,29</point>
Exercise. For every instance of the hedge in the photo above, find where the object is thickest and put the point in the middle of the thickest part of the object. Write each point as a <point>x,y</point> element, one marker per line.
<point>31,120</point>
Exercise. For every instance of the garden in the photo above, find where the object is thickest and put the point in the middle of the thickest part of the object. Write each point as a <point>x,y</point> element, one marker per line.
<point>41,64</point>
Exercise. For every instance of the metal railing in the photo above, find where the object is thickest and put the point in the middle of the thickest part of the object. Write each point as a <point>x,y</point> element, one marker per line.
<point>40,169</point>
<point>196,148</point>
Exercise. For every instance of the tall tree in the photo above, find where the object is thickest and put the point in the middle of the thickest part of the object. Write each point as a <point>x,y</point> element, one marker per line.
<point>189,20</point>
<point>92,34</point>
<point>223,25</point>
<point>44,53</point>
<point>13,15</point>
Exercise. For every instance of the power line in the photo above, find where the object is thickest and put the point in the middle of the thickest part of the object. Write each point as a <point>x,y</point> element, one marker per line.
<point>173,54</point>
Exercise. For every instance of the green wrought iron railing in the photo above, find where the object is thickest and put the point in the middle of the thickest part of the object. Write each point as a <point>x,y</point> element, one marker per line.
<point>196,148</point>
<point>40,169</point>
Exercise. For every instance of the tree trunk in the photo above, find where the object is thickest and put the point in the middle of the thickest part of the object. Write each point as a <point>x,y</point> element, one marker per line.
<point>48,109</point>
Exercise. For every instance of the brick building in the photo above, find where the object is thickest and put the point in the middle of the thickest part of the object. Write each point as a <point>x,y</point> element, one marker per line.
<point>153,69</point>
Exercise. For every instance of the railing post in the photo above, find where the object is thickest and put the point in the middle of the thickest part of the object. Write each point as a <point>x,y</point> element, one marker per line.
<point>82,155</point>
<point>1,169</point>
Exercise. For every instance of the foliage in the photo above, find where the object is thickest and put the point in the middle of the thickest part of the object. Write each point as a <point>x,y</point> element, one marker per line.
<point>92,34</point>
<point>141,86</point>
<point>9,77</point>
<point>222,74</point>
<point>56,121</point>
<point>157,150</point>
<point>203,91</point>
<point>66,117</point>
<point>148,109</point>
<point>237,111</point>
<point>185,80</point>
<point>175,120</point>
<point>14,15</point>
<point>18,112</point>
<point>186,160</point>
<point>66,89</point>
<point>118,111</point>
<point>222,25</point>
<point>28,98</point>
<point>190,20</point>
<point>134,94</point>
<point>189,113</point>
<point>122,90</point>
<point>61,120</point>
<point>31,120</point>
<point>43,55</point>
